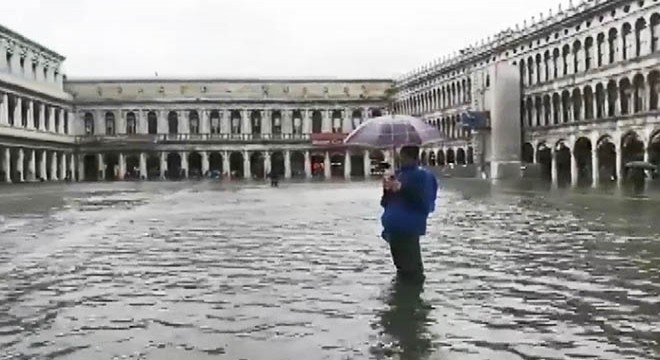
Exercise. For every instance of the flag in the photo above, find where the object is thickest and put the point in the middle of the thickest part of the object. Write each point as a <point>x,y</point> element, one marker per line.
<point>474,120</point>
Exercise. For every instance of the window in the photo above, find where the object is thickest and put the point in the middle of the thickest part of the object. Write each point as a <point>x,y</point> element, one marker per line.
<point>89,123</point>
<point>131,124</point>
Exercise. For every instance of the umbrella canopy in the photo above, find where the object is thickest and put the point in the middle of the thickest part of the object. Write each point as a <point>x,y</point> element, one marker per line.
<point>641,165</point>
<point>392,131</point>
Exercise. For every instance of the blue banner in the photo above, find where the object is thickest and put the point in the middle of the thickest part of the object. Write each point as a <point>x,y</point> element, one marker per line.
<point>474,120</point>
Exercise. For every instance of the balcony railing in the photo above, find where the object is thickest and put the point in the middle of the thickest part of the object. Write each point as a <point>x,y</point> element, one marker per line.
<point>169,138</point>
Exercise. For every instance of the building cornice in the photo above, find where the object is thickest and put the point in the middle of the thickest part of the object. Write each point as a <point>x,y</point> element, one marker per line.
<point>157,80</point>
<point>11,34</point>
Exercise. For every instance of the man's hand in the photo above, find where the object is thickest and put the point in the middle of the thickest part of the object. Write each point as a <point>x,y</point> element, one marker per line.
<point>391,184</point>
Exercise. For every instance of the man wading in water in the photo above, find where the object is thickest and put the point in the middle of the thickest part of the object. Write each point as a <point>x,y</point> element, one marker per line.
<point>408,199</point>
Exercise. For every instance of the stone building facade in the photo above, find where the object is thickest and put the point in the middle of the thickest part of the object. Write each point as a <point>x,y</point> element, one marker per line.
<point>590,82</point>
<point>244,128</point>
<point>590,78</point>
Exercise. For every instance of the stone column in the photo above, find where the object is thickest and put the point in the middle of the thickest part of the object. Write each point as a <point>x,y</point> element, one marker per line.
<point>143,166</point>
<point>574,168</point>
<point>367,164</point>
<point>184,163</point>
<point>4,109</point>
<point>32,164</point>
<point>347,165</point>
<point>72,167</point>
<point>43,173</point>
<point>63,166</point>
<point>287,164</point>
<point>51,122</point>
<point>122,166</point>
<point>6,162</point>
<point>595,167</point>
<point>60,128</point>
<point>53,166</point>
<point>30,115</point>
<point>327,166</point>
<point>205,162</point>
<point>619,160</point>
<point>163,165</point>
<point>81,167</point>
<point>19,165</point>
<point>267,162</point>
<point>553,167</point>
<point>308,165</point>
<point>226,165</point>
<point>247,173</point>
<point>18,111</point>
<point>42,117</point>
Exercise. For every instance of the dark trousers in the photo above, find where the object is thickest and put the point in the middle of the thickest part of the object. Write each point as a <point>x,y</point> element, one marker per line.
<point>407,257</point>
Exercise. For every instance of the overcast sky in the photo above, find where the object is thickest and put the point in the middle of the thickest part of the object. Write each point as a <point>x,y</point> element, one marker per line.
<point>252,38</point>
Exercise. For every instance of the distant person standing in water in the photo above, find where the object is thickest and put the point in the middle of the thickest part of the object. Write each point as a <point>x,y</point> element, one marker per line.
<point>408,198</point>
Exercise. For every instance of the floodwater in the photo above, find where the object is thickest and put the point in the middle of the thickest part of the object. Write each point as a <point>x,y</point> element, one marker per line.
<point>216,271</point>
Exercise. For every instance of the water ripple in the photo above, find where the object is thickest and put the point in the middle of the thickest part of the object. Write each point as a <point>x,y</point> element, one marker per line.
<point>205,271</point>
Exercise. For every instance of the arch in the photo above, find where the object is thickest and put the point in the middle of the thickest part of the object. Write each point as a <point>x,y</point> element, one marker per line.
<point>441,159</point>
<point>214,122</point>
<point>277,163</point>
<point>216,163</point>
<point>639,93</point>
<point>152,123</point>
<point>356,118</point>
<point>588,51</point>
<point>257,165</point>
<point>172,123</point>
<point>470,155</point>
<point>336,121</point>
<point>582,154</point>
<point>153,166</point>
<point>133,167</point>
<point>654,148</point>
<point>235,123</point>
<point>255,125</point>
<point>131,123</point>
<point>195,165</point>
<point>89,123</point>
<point>193,122</point>
<point>174,170</point>
<point>606,153</point>
<point>317,122</point>
<point>424,159</point>
<point>588,103</point>
<point>357,164</point>
<point>577,105</point>
<point>612,38</point>
<point>318,164</point>
<point>297,122</point>
<point>110,123</point>
<point>432,159</point>
<point>236,165</point>
<point>563,162</point>
<point>297,164</point>
<point>612,96</point>
<point>625,92</point>
<point>460,156</point>
<point>627,50</point>
<point>577,47</point>
<point>654,89</point>
<point>276,123</point>
<point>655,32</point>
<point>337,165</point>
<point>451,157</point>
<point>600,101</point>
<point>544,159</point>
<point>640,27</point>
<point>556,109</point>
<point>91,165</point>
<point>528,153</point>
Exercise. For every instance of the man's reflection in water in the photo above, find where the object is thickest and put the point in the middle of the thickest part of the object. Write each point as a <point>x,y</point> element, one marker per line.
<point>405,320</point>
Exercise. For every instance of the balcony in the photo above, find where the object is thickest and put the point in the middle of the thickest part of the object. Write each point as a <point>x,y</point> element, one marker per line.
<point>192,138</point>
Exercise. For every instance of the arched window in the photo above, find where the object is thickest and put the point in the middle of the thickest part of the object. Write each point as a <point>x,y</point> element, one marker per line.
<point>640,27</point>
<point>655,32</point>
<point>276,123</point>
<point>215,121</point>
<point>109,123</point>
<point>317,122</point>
<point>89,123</point>
<point>152,123</point>
<point>172,123</point>
<point>131,124</point>
<point>193,118</point>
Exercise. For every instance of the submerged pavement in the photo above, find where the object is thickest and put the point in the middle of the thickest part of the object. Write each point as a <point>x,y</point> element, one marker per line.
<point>209,270</point>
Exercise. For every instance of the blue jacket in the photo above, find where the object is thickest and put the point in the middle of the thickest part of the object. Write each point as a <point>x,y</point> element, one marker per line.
<point>406,211</point>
